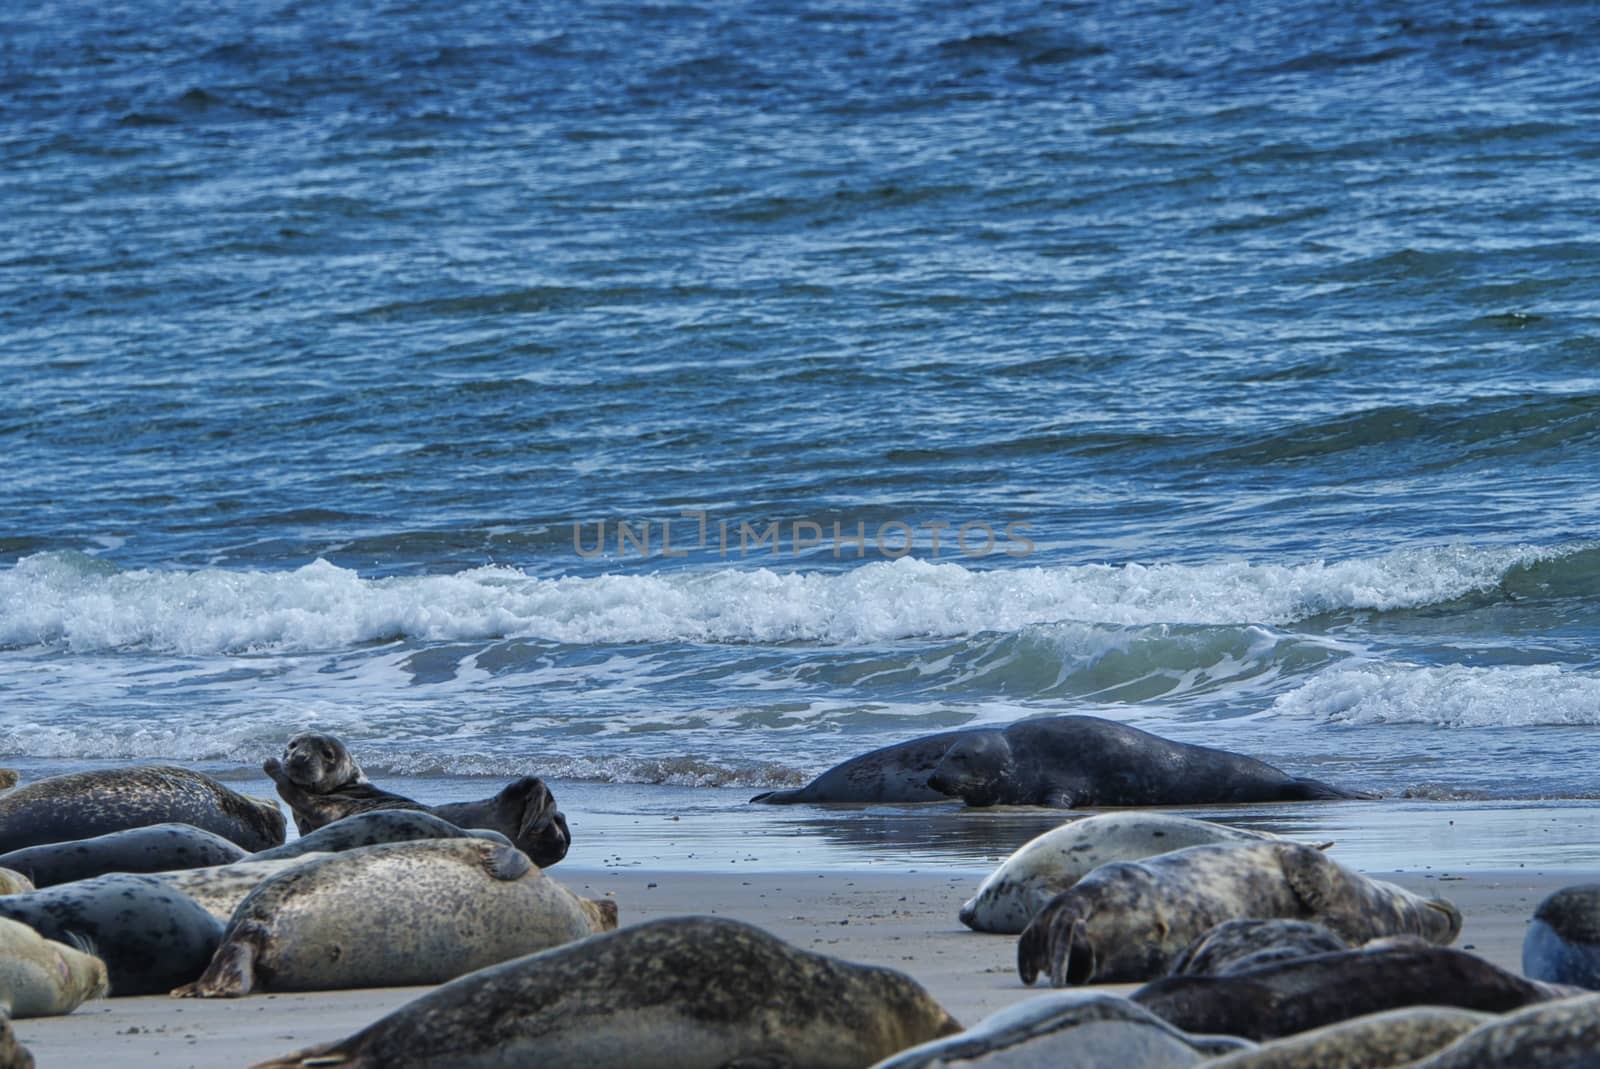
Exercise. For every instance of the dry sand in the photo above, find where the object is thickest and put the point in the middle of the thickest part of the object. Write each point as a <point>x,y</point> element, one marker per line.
<point>902,920</point>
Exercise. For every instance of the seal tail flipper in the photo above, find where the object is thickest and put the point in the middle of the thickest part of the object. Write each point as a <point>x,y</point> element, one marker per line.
<point>1311,790</point>
<point>230,974</point>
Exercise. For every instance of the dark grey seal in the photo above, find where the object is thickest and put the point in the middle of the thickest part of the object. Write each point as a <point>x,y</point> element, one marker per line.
<point>1070,761</point>
<point>674,993</point>
<point>1069,1028</point>
<point>151,937</point>
<point>1563,940</point>
<point>1288,997</point>
<point>155,848</point>
<point>1236,946</point>
<point>322,783</point>
<point>371,829</point>
<point>897,773</point>
<point>81,805</point>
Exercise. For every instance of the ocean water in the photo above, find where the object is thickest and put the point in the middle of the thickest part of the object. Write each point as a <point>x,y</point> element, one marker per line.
<point>674,400</point>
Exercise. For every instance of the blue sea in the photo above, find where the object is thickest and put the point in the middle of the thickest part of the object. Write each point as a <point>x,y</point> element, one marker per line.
<point>674,400</point>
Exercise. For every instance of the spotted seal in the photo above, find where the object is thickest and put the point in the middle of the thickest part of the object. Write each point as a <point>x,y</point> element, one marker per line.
<point>370,829</point>
<point>1283,998</point>
<point>1069,1028</point>
<point>393,915</point>
<point>12,883</point>
<point>150,937</point>
<point>1234,946</point>
<point>322,782</point>
<point>1376,1041</point>
<point>1562,943</point>
<point>1564,1034</point>
<point>40,977</point>
<point>1071,761</point>
<point>1046,865</point>
<point>708,991</point>
<point>1130,920</point>
<point>220,888</point>
<point>82,805</point>
<point>154,848</point>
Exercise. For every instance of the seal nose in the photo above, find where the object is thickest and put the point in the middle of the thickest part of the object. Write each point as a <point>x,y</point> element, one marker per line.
<point>968,914</point>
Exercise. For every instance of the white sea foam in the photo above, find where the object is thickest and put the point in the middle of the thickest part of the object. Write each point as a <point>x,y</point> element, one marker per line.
<point>82,604</point>
<point>1448,695</point>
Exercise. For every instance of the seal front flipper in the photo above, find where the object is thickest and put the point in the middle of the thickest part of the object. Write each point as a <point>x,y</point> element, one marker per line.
<point>504,862</point>
<point>232,970</point>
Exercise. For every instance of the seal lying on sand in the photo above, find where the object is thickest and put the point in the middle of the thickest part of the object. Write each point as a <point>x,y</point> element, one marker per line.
<point>220,888</point>
<point>1286,997</point>
<point>155,848</point>
<point>1554,1035</point>
<point>1130,920</point>
<point>81,805</point>
<point>1069,1028</point>
<point>13,1055</point>
<point>1563,941</point>
<point>42,978</point>
<point>370,829</point>
<point>322,783</point>
<point>1070,761</point>
<point>1051,863</point>
<point>149,936</point>
<point>1376,1041</point>
<point>1235,946</point>
<point>709,992</point>
<point>395,915</point>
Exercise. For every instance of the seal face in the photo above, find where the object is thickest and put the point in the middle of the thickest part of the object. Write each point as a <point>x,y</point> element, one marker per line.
<point>1288,997</point>
<point>1069,1028</point>
<point>1555,1035</point>
<point>149,936</point>
<point>1051,863</point>
<point>395,915</point>
<point>1392,1038</point>
<point>684,992</point>
<point>43,978</point>
<point>320,763</point>
<point>1563,940</point>
<point>155,848</point>
<point>82,805</point>
<point>1131,920</point>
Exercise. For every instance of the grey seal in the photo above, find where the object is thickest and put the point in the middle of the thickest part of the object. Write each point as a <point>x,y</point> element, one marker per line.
<point>40,977</point>
<point>1376,1041</point>
<point>322,782</point>
<point>1051,863</point>
<point>81,805</point>
<point>1235,946</point>
<point>9,778</point>
<point>1071,761</point>
<point>150,937</point>
<point>1067,1028</point>
<point>1556,1035</point>
<point>370,829</point>
<point>1286,997</point>
<point>1562,944</point>
<point>13,1055</point>
<point>1131,920</point>
<point>12,882</point>
<point>673,993</point>
<point>220,888</point>
<point>897,773</point>
<point>154,848</point>
<point>394,915</point>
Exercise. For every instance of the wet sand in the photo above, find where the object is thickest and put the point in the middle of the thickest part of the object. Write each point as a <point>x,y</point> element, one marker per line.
<point>905,920</point>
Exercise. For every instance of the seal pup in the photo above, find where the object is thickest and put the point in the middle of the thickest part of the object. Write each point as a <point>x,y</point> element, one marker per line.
<point>1287,997</point>
<point>43,978</point>
<point>675,993</point>
<point>14,882</point>
<point>1051,863</point>
<point>154,848</point>
<point>1562,944</point>
<point>221,888</point>
<point>81,805</point>
<point>322,783</point>
<point>13,1055</point>
<point>370,829</point>
<point>1071,761</point>
<point>1069,1028</point>
<point>1556,1035</point>
<point>149,936</point>
<point>1235,946</point>
<point>395,915</point>
<point>1376,1041</point>
<point>1130,920</point>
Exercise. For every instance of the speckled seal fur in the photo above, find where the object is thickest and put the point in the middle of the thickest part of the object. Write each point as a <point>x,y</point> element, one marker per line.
<point>1562,943</point>
<point>81,805</point>
<point>155,848</point>
<point>1130,920</point>
<point>40,977</point>
<point>12,882</point>
<point>371,829</point>
<point>393,915</point>
<point>674,993</point>
<point>220,888</point>
<point>1555,1035</point>
<point>1051,863</point>
<point>1375,1041</point>
<point>1234,946</point>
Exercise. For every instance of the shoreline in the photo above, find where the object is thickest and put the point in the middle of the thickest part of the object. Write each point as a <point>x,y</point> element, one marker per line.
<point>901,920</point>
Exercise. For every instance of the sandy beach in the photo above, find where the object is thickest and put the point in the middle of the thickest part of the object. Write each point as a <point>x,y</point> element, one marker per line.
<point>897,919</point>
